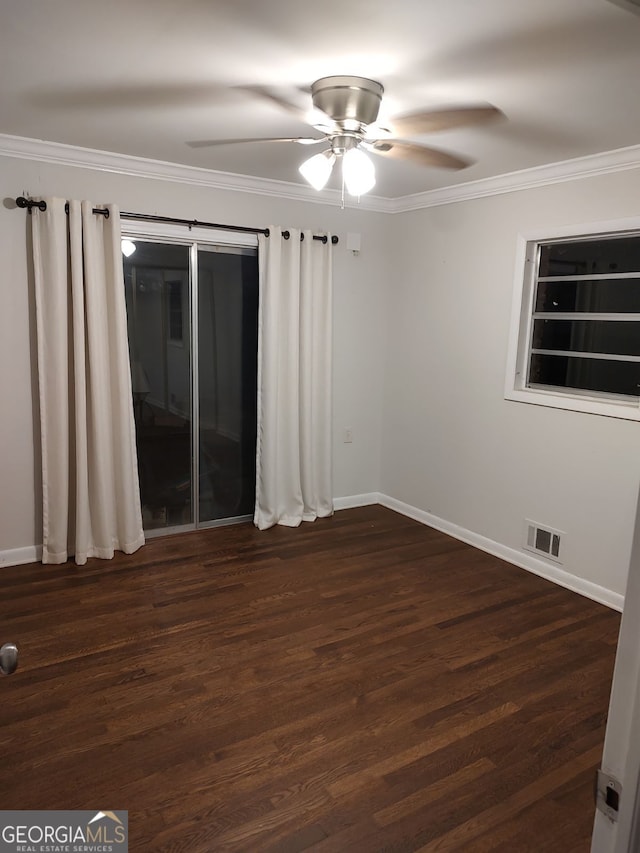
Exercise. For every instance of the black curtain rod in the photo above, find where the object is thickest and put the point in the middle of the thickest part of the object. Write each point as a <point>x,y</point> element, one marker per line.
<point>29,204</point>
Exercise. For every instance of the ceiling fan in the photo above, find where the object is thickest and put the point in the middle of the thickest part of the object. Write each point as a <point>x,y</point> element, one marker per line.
<point>345,110</point>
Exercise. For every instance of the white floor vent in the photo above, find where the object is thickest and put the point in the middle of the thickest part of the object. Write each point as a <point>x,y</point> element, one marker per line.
<point>543,540</point>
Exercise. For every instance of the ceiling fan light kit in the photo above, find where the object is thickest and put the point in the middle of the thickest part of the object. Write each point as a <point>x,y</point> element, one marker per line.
<point>317,169</point>
<point>358,172</point>
<point>351,104</point>
<point>345,111</point>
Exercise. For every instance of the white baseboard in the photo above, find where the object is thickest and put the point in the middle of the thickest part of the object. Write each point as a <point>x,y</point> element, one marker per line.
<point>511,555</point>
<point>33,553</point>
<point>20,556</point>
<point>353,501</point>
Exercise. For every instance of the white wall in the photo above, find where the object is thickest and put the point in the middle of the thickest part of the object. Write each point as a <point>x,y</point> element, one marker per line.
<point>452,446</point>
<point>358,317</point>
<point>426,307</point>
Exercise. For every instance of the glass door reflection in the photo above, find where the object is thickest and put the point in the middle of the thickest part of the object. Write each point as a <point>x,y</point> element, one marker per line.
<point>158,310</point>
<point>227,380</point>
<point>192,312</point>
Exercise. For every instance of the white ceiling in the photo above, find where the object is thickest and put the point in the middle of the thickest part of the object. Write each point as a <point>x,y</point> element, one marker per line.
<point>142,77</point>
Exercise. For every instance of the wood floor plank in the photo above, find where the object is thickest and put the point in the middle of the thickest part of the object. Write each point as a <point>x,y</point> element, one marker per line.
<point>363,683</point>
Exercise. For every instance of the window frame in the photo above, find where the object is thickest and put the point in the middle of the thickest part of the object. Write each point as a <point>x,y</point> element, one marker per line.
<point>522,320</point>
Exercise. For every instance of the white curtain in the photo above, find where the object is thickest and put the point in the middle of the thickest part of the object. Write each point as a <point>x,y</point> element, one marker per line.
<point>293,477</point>
<point>91,498</point>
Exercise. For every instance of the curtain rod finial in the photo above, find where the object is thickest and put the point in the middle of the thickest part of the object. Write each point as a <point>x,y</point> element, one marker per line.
<point>21,201</point>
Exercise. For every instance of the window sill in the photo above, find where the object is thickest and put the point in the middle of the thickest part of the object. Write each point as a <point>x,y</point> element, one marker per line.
<point>626,410</point>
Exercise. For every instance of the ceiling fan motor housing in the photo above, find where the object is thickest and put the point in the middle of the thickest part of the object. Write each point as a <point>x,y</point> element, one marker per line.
<point>348,99</point>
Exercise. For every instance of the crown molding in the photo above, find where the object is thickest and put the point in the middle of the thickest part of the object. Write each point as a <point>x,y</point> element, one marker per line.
<point>61,154</point>
<point>607,162</point>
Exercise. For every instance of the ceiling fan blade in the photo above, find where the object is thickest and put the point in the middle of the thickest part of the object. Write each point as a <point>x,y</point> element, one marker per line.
<point>420,154</point>
<point>313,116</point>
<point>447,119</point>
<point>268,94</point>
<point>301,140</point>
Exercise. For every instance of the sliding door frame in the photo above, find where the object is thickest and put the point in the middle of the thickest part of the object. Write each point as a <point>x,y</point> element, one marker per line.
<point>194,238</point>
<point>194,325</point>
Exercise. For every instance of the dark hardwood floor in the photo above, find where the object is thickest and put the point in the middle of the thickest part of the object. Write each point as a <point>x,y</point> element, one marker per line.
<point>362,683</point>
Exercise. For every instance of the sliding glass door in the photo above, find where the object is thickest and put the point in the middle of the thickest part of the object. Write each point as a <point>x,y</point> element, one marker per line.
<point>227,365</point>
<point>193,329</point>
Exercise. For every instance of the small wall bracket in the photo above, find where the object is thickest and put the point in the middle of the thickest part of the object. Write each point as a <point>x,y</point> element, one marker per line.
<point>608,794</point>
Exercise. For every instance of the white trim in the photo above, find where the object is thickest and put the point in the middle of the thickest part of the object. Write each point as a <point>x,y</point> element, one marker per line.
<point>572,402</point>
<point>603,163</point>
<point>601,276</point>
<point>528,562</point>
<point>621,754</point>
<point>353,501</point>
<point>511,555</point>
<point>521,294</point>
<point>586,315</point>
<point>33,553</point>
<point>177,233</point>
<point>588,230</point>
<point>521,326</point>
<point>597,356</point>
<point>62,154</point>
<point>20,556</point>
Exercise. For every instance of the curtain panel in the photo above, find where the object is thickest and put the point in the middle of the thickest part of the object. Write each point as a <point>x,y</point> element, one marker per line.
<point>294,457</point>
<point>91,498</point>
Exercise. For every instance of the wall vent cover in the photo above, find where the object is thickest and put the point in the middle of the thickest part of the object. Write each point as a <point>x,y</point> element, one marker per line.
<point>543,540</point>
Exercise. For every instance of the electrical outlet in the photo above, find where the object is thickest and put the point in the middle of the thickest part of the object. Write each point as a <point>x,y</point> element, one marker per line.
<point>348,436</point>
